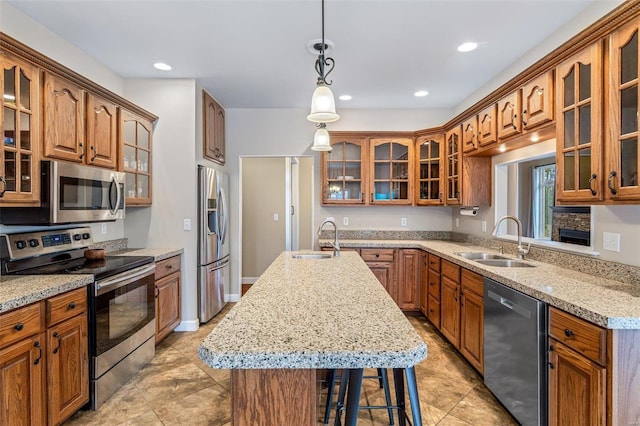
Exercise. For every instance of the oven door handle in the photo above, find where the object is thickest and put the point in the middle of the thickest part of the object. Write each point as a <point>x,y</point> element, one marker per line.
<point>123,279</point>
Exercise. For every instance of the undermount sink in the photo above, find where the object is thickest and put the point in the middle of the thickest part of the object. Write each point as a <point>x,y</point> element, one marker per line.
<point>312,256</point>
<point>505,263</point>
<point>476,255</point>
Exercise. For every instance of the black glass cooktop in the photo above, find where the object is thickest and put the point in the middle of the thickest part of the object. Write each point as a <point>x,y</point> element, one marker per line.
<point>103,268</point>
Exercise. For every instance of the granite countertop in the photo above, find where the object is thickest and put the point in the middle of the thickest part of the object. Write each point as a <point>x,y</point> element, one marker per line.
<point>157,253</point>
<point>608,303</point>
<point>323,313</point>
<point>21,290</point>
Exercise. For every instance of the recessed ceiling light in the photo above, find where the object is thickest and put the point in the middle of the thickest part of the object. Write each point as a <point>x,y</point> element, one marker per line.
<point>421,93</point>
<point>467,47</point>
<point>162,66</point>
<point>345,97</point>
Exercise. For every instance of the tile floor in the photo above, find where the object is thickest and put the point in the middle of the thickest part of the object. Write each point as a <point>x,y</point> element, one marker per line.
<point>176,388</point>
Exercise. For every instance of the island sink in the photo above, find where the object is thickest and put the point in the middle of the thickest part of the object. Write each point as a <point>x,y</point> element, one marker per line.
<point>312,256</point>
<point>476,255</point>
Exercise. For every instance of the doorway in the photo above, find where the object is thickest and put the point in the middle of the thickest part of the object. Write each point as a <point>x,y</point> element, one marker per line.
<point>276,202</point>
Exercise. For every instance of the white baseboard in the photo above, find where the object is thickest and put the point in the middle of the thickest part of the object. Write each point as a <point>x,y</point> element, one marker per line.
<point>191,325</point>
<point>232,297</point>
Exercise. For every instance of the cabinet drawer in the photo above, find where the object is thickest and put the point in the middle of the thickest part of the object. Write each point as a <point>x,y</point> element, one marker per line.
<point>433,312</point>
<point>167,266</point>
<point>582,336</point>
<point>472,282</point>
<point>377,255</point>
<point>434,262</point>
<point>451,271</point>
<point>434,285</point>
<point>66,305</point>
<point>21,323</point>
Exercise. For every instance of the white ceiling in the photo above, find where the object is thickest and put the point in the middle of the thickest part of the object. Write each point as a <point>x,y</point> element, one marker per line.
<point>252,53</point>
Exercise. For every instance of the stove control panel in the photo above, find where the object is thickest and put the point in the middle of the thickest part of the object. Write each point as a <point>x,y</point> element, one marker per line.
<point>32,244</point>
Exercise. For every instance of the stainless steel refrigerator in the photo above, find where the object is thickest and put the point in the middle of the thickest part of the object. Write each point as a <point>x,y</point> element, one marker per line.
<point>213,242</point>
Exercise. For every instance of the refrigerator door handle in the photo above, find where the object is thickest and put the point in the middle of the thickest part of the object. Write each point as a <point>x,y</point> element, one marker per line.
<point>223,213</point>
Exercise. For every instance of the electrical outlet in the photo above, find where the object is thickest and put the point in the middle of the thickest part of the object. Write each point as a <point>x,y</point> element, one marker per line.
<point>484,226</point>
<point>276,217</point>
<point>611,241</point>
<point>345,220</point>
<point>403,221</point>
<point>103,228</point>
<point>187,224</point>
<point>457,222</point>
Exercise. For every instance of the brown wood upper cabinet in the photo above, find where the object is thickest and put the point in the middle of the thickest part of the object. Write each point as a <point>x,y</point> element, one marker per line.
<point>579,127</point>
<point>527,107</point>
<point>470,134</point>
<point>487,126</point>
<point>20,149</point>
<point>468,179</point>
<point>213,131</point>
<point>71,135</point>
<point>64,120</point>
<point>391,170</point>
<point>344,171</point>
<point>429,154</point>
<point>453,166</point>
<point>136,141</point>
<point>621,150</point>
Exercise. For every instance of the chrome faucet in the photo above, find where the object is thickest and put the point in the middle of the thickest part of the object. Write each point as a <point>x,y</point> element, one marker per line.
<point>335,244</point>
<point>521,250</point>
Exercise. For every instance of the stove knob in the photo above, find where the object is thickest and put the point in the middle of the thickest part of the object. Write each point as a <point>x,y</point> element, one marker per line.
<point>77,237</point>
<point>86,236</point>
<point>21,244</point>
<point>33,243</point>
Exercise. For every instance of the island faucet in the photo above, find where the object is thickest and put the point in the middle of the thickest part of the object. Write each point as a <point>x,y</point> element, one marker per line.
<point>335,244</point>
<point>521,250</point>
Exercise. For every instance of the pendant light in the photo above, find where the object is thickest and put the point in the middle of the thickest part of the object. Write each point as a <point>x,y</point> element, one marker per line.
<point>321,139</point>
<point>323,104</point>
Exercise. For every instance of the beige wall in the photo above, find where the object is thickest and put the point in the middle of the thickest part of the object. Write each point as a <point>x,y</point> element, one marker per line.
<point>263,196</point>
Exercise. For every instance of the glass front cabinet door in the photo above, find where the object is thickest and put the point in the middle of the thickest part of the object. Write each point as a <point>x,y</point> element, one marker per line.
<point>429,152</point>
<point>136,158</point>
<point>579,127</point>
<point>19,152</point>
<point>344,175</point>
<point>621,151</point>
<point>391,168</point>
<point>453,166</point>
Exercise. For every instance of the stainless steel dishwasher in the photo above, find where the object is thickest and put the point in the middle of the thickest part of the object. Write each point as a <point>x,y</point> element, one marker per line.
<point>515,357</point>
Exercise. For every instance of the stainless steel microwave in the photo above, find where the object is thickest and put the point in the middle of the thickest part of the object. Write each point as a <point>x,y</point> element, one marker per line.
<point>72,193</point>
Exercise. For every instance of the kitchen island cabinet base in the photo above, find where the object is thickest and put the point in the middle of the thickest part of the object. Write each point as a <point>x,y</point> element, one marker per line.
<point>273,397</point>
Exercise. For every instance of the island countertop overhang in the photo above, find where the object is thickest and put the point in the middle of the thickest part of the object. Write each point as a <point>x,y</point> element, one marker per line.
<point>314,313</point>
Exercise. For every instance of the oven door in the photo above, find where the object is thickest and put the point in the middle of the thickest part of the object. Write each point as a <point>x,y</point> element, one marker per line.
<point>123,316</point>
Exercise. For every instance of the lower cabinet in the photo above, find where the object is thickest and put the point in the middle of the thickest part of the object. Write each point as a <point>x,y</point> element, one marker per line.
<point>167,296</point>
<point>472,318</point>
<point>382,264</point>
<point>408,285</point>
<point>424,282</point>
<point>433,291</point>
<point>450,302</point>
<point>44,360</point>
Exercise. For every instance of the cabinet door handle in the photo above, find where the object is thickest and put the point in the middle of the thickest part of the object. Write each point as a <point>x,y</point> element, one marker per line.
<point>37,360</point>
<point>568,332</point>
<point>57,336</point>
<point>524,114</point>
<point>82,153</point>
<point>4,186</point>
<point>611,176</point>
<point>95,152</point>
<point>551,366</point>
<point>593,177</point>
<point>515,120</point>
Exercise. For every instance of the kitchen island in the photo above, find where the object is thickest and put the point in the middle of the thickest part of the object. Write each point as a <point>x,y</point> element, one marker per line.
<point>303,315</point>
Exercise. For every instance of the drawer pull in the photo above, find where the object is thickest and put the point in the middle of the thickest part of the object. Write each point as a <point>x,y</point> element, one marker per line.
<point>19,326</point>
<point>57,336</point>
<point>37,360</point>
<point>377,254</point>
<point>568,332</point>
<point>71,305</point>
<point>169,266</point>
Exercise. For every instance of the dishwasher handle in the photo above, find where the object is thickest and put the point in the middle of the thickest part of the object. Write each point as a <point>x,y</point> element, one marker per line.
<point>509,304</point>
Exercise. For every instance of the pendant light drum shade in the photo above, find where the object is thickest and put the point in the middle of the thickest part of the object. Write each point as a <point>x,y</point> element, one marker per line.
<point>321,141</point>
<point>323,105</point>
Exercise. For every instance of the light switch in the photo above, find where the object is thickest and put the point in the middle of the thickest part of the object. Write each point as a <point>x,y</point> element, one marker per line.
<point>187,224</point>
<point>345,221</point>
<point>103,228</point>
<point>276,217</point>
<point>403,221</point>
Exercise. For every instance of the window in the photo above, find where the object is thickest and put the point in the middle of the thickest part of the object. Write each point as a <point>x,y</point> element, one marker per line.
<point>544,180</point>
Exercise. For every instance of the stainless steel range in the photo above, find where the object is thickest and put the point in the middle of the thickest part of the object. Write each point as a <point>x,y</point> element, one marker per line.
<point>121,300</point>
